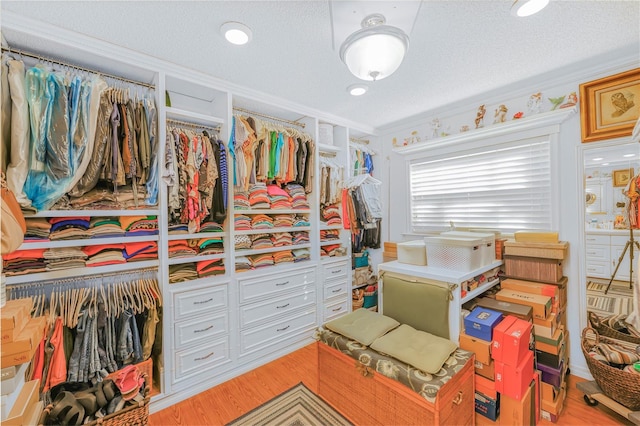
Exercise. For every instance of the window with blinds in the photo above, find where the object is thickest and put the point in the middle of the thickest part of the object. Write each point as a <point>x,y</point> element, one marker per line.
<point>506,187</point>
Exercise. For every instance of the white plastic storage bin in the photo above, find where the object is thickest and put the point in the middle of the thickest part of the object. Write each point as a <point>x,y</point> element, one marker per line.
<point>488,243</point>
<point>412,252</point>
<point>460,254</point>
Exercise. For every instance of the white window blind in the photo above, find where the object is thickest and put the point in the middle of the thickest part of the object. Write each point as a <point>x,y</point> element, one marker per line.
<point>505,187</point>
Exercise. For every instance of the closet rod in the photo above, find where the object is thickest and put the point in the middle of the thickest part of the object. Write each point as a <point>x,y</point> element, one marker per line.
<point>67,64</point>
<point>295,123</point>
<point>196,125</point>
<point>63,281</point>
<point>362,141</point>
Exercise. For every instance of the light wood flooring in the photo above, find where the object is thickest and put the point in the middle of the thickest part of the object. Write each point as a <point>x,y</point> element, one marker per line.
<point>229,400</point>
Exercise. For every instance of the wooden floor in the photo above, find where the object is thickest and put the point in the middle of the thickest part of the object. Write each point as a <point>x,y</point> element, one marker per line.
<point>225,402</point>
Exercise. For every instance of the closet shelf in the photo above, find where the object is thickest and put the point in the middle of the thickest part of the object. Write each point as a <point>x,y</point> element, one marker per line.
<point>79,272</point>
<point>247,252</point>
<point>328,227</point>
<point>271,211</point>
<point>328,148</point>
<point>331,242</point>
<point>85,242</point>
<point>196,118</point>
<point>93,213</point>
<point>197,235</point>
<point>179,260</point>
<point>479,290</point>
<point>273,230</point>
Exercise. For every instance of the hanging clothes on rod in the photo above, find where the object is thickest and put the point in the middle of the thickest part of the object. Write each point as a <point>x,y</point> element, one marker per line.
<point>361,155</point>
<point>78,137</point>
<point>195,172</point>
<point>266,151</point>
<point>362,206</point>
<point>95,326</point>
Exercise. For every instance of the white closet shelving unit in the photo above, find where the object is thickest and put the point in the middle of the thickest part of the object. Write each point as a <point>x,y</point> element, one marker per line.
<point>216,327</point>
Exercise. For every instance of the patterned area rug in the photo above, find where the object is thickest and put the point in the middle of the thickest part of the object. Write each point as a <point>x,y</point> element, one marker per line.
<point>296,407</point>
<point>618,300</point>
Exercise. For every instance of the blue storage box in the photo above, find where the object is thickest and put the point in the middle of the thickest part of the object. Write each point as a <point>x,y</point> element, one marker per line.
<point>486,406</point>
<point>480,323</point>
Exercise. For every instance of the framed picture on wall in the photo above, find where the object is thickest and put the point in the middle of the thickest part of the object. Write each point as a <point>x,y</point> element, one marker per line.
<point>610,106</point>
<point>621,177</point>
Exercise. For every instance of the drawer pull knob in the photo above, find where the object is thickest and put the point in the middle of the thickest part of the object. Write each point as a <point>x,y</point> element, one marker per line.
<point>281,284</point>
<point>282,306</point>
<point>336,272</point>
<point>203,329</point>
<point>204,357</point>
<point>200,302</point>
<point>458,399</point>
<point>337,309</point>
<point>336,290</point>
<point>282,329</point>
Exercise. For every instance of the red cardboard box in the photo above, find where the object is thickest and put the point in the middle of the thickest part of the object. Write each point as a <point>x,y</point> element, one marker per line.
<point>480,347</point>
<point>486,370</point>
<point>518,412</point>
<point>511,342</point>
<point>514,380</point>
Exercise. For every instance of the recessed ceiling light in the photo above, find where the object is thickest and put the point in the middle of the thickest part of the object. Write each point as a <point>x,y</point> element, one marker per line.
<point>523,8</point>
<point>628,155</point>
<point>357,89</point>
<point>597,159</point>
<point>236,33</point>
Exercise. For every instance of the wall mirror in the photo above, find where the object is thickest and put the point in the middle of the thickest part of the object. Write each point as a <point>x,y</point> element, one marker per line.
<point>610,274</point>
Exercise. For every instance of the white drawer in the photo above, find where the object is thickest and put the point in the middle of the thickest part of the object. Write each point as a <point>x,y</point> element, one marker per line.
<point>189,303</point>
<point>619,240</point>
<point>196,360</point>
<point>196,330</point>
<point>261,312</point>
<point>598,269</point>
<point>601,253</point>
<point>597,239</point>
<point>336,309</point>
<point>339,270</point>
<point>336,290</point>
<point>260,337</point>
<point>273,285</point>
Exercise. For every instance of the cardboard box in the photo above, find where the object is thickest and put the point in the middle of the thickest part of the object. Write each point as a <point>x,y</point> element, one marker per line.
<point>511,340</point>
<point>533,268</point>
<point>480,323</point>
<point>8,386</point>
<point>17,359</point>
<point>562,292</point>
<point>550,411</point>
<point>486,370</point>
<point>553,345</point>
<point>553,376</point>
<point>549,393</point>
<point>536,237</point>
<point>552,360</point>
<point>541,305</point>
<point>25,404</point>
<point>523,312</point>
<point>14,316</point>
<point>536,396</point>
<point>485,386</point>
<point>532,287</point>
<point>27,339</point>
<point>545,250</point>
<point>487,406</point>
<point>518,412</point>
<point>546,327</point>
<point>514,380</point>
<point>480,347</point>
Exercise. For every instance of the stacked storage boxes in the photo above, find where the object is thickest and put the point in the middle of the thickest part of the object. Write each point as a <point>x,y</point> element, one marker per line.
<point>535,279</point>
<point>462,251</point>
<point>505,379</point>
<point>21,335</point>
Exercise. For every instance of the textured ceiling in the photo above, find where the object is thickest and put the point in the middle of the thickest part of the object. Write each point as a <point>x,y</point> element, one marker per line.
<point>458,49</point>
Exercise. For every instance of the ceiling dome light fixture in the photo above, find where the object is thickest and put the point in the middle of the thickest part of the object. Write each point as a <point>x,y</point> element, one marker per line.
<point>376,50</point>
<point>236,33</point>
<point>357,89</point>
<point>524,8</point>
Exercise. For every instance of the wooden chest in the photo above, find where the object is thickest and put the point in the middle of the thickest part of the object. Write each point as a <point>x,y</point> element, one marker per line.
<point>378,400</point>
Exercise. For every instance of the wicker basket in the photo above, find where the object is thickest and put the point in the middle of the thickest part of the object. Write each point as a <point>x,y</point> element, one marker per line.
<point>604,330</point>
<point>136,414</point>
<point>619,385</point>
